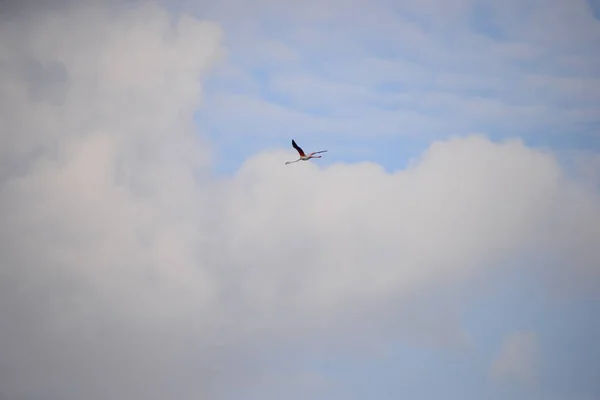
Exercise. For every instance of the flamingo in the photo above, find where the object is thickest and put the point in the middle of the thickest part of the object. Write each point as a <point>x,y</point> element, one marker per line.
<point>304,157</point>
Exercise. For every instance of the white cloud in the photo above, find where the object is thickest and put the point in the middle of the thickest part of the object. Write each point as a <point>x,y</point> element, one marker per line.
<point>97,201</point>
<point>301,90</point>
<point>399,222</point>
<point>518,358</point>
<point>497,54</point>
<point>128,272</point>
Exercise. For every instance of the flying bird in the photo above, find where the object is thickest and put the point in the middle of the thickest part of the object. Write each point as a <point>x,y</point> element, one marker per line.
<point>304,157</point>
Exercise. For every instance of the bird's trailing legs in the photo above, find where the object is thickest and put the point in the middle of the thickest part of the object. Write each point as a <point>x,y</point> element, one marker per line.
<point>304,157</point>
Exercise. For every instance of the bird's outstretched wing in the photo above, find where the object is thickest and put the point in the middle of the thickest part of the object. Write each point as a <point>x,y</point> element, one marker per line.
<point>322,151</point>
<point>298,148</point>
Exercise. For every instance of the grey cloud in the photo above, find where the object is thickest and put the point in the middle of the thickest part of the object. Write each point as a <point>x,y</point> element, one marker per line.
<point>85,314</point>
<point>128,272</point>
<point>46,82</point>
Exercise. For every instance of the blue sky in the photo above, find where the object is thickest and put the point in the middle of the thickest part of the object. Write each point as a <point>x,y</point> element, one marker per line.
<point>446,245</point>
<point>387,75</point>
<point>380,82</point>
<point>566,332</point>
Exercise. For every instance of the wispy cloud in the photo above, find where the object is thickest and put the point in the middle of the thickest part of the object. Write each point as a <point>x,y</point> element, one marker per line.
<point>130,270</point>
<point>485,67</point>
<point>518,358</point>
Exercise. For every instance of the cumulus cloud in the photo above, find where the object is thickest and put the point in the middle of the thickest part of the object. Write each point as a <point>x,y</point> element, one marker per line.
<point>129,272</point>
<point>98,200</point>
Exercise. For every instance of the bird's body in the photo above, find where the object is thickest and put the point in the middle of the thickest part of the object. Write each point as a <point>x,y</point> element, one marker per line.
<point>303,156</point>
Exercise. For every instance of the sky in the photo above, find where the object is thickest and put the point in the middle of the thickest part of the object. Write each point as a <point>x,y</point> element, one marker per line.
<point>154,245</point>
